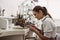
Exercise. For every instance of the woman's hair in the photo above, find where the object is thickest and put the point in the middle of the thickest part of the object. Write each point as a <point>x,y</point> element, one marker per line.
<point>43,9</point>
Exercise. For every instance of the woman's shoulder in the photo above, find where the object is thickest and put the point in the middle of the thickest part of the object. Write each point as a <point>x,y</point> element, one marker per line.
<point>48,21</point>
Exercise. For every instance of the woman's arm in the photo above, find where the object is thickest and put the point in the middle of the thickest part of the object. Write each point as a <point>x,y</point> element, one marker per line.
<point>37,29</point>
<point>34,29</point>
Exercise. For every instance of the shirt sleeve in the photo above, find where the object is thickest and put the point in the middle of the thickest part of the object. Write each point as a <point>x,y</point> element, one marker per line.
<point>48,28</point>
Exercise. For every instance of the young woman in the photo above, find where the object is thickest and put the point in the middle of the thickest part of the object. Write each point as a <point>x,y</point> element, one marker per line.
<point>48,31</point>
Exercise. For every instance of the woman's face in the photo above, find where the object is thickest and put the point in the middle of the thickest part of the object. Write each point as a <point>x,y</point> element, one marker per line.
<point>38,15</point>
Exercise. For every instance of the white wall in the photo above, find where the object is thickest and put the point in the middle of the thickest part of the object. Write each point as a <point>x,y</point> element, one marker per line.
<point>10,6</point>
<point>43,3</point>
<point>54,8</point>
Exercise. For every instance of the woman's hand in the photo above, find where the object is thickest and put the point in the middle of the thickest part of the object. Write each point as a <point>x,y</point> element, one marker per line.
<point>32,27</point>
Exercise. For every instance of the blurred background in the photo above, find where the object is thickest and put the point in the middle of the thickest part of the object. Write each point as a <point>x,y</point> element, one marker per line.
<point>12,7</point>
<point>13,14</point>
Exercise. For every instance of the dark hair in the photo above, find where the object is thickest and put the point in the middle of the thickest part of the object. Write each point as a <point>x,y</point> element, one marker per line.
<point>43,9</point>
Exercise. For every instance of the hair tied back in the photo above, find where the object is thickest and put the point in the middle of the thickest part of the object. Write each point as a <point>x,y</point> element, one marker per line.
<point>44,8</point>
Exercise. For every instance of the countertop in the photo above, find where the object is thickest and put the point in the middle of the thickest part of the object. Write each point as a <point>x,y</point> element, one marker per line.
<point>13,32</point>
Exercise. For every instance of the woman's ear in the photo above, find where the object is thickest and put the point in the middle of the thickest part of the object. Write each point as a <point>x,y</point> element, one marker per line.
<point>40,11</point>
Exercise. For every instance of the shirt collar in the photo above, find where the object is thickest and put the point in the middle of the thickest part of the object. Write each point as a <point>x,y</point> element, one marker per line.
<point>47,16</point>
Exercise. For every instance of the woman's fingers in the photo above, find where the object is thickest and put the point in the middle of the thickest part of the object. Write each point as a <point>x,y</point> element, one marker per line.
<point>31,27</point>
